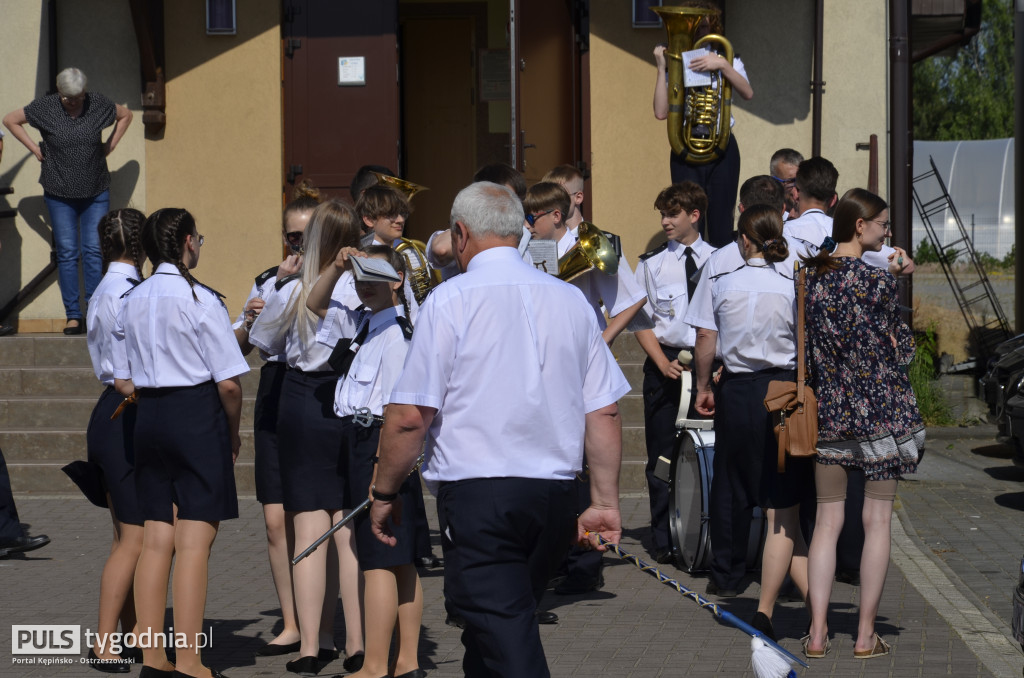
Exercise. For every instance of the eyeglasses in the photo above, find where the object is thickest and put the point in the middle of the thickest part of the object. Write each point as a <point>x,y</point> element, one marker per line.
<point>531,219</point>
<point>886,225</point>
<point>202,239</point>
<point>294,238</point>
<point>786,183</point>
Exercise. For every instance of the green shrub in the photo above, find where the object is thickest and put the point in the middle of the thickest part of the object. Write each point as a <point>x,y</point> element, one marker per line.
<point>931,401</point>
<point>925,253</point>
<point>1010,260</point>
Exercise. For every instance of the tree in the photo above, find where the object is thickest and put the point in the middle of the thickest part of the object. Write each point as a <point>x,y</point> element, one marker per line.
<point>970,95</point>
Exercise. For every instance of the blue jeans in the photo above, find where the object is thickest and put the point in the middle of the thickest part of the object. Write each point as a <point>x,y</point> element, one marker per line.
<point>74,222</point>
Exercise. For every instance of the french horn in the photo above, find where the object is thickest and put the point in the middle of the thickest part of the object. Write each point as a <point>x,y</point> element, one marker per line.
<point>422,278</point>
<point>592,251</point>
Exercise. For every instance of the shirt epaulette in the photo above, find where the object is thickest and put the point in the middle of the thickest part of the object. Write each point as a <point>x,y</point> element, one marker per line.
<point>281,282</point>
<point>616,242</point>
<point>265,276</point>
<point>661,248</point>
<point>135,283</point>
<point>215,293</point>
<point>406,326</point>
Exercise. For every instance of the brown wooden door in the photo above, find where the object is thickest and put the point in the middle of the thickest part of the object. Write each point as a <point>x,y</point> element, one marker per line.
<point>547,121</point>
<point>332,129</point>
<point>439,114</point>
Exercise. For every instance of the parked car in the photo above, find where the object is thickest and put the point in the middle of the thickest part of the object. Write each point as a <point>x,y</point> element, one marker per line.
<point>1002,381</point>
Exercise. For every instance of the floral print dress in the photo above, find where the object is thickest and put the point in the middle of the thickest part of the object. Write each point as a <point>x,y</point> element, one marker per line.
<point>867,413</point>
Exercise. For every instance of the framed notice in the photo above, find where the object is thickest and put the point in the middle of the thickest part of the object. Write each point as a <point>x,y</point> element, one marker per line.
<point>351,71</point>
<point>643,17</point>
<point>495,83</point>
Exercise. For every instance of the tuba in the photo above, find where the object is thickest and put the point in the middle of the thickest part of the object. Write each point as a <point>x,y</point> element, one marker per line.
<point>698,117</point>
<point>593,250</point>
<point>422,277</point>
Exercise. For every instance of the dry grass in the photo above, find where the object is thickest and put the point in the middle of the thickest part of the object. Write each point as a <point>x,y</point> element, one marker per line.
<point>950,328</point>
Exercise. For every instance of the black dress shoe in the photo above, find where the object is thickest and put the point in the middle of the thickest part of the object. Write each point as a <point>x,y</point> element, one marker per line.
<point>107,665</point>
<point>354,663</point>
<point>713,590</point>
<point>7,329</point>
<point>304,666</point>
<point>71,330</point>
<point>429,562</point>
<point>762,623</point>
<point>272,650</point>
<point>325,654</point>
<point>546,617</point>
<point>455,620</point>
<point>132,654</point>
<point>663,556</point>
<point>415,673</point>
<point>150,672</point>
<point>22,544</point>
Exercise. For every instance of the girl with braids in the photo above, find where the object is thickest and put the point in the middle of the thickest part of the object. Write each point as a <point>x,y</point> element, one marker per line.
<point>374,360</point>
<point>754,324</point>
<point>174,344</point>
<point>280,536</point>
<point>313,471</point>
<point>110,445</point>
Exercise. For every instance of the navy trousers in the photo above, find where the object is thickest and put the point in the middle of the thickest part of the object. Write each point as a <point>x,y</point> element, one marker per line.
<point>502,540</point>
<point>720,179</point>
<point>661,404</point>
<point>10,526</point>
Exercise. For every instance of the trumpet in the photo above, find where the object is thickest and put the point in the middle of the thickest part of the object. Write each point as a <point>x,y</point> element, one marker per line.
<point>592,251</point>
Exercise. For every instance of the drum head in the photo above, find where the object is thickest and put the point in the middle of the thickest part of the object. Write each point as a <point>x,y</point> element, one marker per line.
<point>688,500</point>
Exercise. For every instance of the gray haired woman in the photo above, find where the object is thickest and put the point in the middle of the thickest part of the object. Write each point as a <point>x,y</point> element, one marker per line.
<point>74,175</point>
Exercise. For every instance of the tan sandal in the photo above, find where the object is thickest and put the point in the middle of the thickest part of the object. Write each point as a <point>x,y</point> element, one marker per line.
<point>880,649</point>
<point>815,654</point>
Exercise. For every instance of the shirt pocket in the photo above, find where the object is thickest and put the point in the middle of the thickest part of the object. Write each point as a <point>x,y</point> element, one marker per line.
<point>672,299</point>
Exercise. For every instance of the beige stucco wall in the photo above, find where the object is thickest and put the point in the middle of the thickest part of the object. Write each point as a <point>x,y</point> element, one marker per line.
<point>97,37</point>
<point>629,146</point>
<point>219,155</point>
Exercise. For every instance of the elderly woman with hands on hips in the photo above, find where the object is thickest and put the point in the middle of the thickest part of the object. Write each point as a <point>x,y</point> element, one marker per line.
<point>74,175</point>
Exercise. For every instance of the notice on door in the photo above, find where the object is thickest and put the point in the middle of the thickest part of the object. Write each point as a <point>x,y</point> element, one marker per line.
<point>351,71</point>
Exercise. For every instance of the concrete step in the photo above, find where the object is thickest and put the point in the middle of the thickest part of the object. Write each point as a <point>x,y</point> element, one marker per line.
<point>69,414</point>
<point>47,478</point>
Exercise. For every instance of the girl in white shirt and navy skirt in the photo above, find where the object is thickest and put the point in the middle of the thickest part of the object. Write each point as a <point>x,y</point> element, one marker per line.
<point>110,441</point>
<point>370,366</point>
<point>313,474</point>
<point>173,344</point>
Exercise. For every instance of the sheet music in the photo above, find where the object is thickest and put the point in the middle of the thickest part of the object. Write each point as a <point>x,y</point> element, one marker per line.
<point>692,78</point>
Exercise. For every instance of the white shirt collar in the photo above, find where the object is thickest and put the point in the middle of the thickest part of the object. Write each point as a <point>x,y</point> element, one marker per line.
<point>493,254</point>
<point>128,270</point>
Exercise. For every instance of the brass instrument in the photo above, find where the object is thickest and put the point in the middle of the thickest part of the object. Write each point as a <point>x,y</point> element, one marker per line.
<point>698,117</point>
<point>592,251</point>
<point>407,188</point>
<point>422,277</point>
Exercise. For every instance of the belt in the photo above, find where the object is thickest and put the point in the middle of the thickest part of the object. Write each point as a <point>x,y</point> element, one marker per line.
<point>363,418</point>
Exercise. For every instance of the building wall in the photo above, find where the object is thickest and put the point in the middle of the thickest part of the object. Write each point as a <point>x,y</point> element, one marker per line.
<point>630,148</point>
<point>219,155</point>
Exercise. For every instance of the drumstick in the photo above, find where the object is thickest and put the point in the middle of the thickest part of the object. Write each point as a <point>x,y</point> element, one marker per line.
<point>722,614</point>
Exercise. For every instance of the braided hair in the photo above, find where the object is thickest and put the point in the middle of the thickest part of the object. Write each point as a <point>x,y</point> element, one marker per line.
<point>397,261</point>
<point>163,239</point>
<point>119,232</point>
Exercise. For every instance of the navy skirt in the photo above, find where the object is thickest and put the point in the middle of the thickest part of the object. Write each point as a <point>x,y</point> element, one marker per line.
<point>183,455</point>
<point>314,471</point>
<point>360,444</point>
<point>111,447</point>
<point>267,466</point>
<point>743,430</point>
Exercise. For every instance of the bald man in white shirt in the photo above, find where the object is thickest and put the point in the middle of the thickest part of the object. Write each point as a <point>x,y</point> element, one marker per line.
<point>509,381</point>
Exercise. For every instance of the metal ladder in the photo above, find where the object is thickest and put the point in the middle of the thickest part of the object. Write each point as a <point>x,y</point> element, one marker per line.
<point>984,316</point>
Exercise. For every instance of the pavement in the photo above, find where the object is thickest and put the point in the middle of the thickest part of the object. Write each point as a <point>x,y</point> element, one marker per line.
<point>957,546</point>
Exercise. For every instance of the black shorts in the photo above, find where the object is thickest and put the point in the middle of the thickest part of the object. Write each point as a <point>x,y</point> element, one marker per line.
<point>314,471</point>
<point>183,455</point>
<point>111,447</point>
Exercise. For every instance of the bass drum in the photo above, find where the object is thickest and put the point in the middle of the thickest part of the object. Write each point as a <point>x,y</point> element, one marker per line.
<point>690,506</point>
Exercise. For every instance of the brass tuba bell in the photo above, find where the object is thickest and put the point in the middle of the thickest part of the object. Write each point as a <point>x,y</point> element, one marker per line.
<point>592,251</point>
<point>698,117</point>
<point>407,188</point>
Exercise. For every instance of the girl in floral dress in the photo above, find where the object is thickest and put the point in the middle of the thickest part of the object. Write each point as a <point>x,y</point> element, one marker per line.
<point>868,422</point>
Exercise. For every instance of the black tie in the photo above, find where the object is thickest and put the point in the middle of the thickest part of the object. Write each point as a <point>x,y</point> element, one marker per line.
<point>691,272</point>
<point>342,355</point>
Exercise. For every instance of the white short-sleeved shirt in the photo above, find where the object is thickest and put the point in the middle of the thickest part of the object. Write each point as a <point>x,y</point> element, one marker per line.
<point>261,289</point>
<point>165,337</point>
<point>754,313</point>
<point>809,230</point>
<point>343,312</point>
<point>375,366</point>
<point>104,305</point>
<point>662,273</point>
<point>512,360</point>
<point>615,293</point>
<point>297,339</point>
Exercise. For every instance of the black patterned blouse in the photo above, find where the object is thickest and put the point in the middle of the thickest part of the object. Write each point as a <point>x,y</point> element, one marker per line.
<point>73,162</point>
<point>867,412</point>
